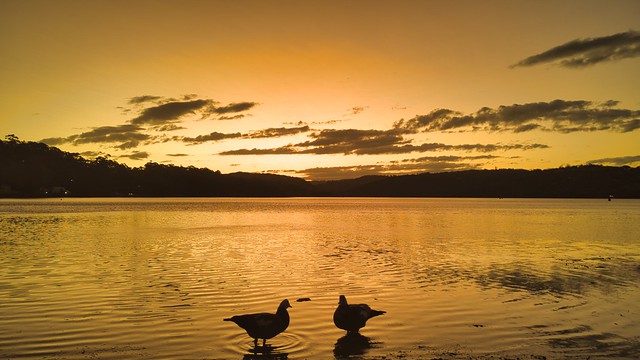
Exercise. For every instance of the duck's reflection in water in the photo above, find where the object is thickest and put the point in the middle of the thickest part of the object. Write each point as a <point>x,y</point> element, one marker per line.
<point>266,352</point>
<point>353,344</point>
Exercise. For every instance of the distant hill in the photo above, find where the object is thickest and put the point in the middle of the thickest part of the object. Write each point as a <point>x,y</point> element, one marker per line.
<point>587,181</point>
<point>30,169</point>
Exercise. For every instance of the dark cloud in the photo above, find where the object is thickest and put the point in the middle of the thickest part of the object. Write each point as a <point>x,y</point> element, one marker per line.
<point>128,135</point>
<point>498,147</point>
<point>143,99</point>
<point>214,136</point>
<point>55,141</point>
<point>177,155</point>
<point>557,115</point>
<point>276,132</point>
<point>170,112</point>
<point>234,107</point>
<point>631,125</point>
<point>371,142</point>
<point>266,133</point>
<point>127,145</point>
<point>125,134</point>
<point>584,52</point>
<point>284,150</point>
<point>350,141</point>
<point>449,158</point>
<point>136,155</point>
<point>526,127</point>
<point>169,127</point>
<point>159,114</point>
<point>618,161</point>
<point>426,121</point>
<point>426,147</point>
<point>233,117</point>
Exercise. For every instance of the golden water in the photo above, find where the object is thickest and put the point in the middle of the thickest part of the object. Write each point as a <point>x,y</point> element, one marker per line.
<point>459,278</point>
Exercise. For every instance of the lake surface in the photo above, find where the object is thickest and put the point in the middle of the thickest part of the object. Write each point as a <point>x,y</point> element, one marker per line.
<point>458,278</point>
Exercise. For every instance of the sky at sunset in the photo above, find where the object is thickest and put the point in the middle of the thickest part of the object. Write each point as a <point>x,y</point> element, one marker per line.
<point>326,89</point>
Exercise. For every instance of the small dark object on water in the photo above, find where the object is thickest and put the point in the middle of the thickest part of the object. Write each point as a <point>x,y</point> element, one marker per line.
<point>303,299</point>
<point>264,325</point>
<point>353,317</point>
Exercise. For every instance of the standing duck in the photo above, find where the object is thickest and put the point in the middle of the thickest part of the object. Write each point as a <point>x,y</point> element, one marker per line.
<point>353,317</point>
<point>264,325</point>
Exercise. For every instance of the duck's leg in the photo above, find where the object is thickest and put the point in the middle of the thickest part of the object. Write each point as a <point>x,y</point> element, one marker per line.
<point>264,342</point>
<point>255,342</point>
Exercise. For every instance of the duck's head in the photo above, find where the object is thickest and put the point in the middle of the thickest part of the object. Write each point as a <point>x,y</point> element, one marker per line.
<point>284,305</point>
<point>343,300</point>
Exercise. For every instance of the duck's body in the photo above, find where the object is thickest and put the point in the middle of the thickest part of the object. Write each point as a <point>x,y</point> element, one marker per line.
<point>353,317</point>
<point>264,325</point>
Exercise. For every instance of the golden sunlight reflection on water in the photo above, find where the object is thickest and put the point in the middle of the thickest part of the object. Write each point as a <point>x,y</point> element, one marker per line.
<point>153,278</point>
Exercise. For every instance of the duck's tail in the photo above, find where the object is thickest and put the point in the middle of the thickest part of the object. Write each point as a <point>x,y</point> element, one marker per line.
<point>376,313</point>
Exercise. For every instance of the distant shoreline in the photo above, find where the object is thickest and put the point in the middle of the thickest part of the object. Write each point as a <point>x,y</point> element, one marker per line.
<point>36,170</point>
<point>310,197</point>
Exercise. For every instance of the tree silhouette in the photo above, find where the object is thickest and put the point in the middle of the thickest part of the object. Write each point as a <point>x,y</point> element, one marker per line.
<point>31,169</point>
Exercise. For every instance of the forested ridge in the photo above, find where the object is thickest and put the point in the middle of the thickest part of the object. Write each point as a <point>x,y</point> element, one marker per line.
<point>31,169</point>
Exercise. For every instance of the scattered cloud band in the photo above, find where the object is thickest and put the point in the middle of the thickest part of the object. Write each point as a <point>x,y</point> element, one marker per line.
<point>563,116</point>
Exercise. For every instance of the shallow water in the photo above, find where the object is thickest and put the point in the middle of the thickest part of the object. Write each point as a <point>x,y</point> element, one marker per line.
<point>459,278</point>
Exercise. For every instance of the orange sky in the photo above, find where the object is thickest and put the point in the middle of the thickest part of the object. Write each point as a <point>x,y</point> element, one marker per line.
<point>326,89</point>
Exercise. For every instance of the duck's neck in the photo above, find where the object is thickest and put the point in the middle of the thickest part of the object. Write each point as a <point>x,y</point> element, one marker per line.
<point>283,316</point>
<point>282,310</point>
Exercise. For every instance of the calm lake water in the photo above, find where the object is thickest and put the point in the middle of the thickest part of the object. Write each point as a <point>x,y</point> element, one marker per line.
<point>458,278</point>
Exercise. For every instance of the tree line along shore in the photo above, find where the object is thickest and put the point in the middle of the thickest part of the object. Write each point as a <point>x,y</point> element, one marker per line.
<point>32,169</point>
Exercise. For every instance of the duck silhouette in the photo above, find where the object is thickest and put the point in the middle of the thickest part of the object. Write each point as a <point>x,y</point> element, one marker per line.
<point>353,317</point>
<point>264,325</point>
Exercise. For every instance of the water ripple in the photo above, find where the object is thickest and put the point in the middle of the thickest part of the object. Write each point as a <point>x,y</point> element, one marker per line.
<point>114,279</point>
